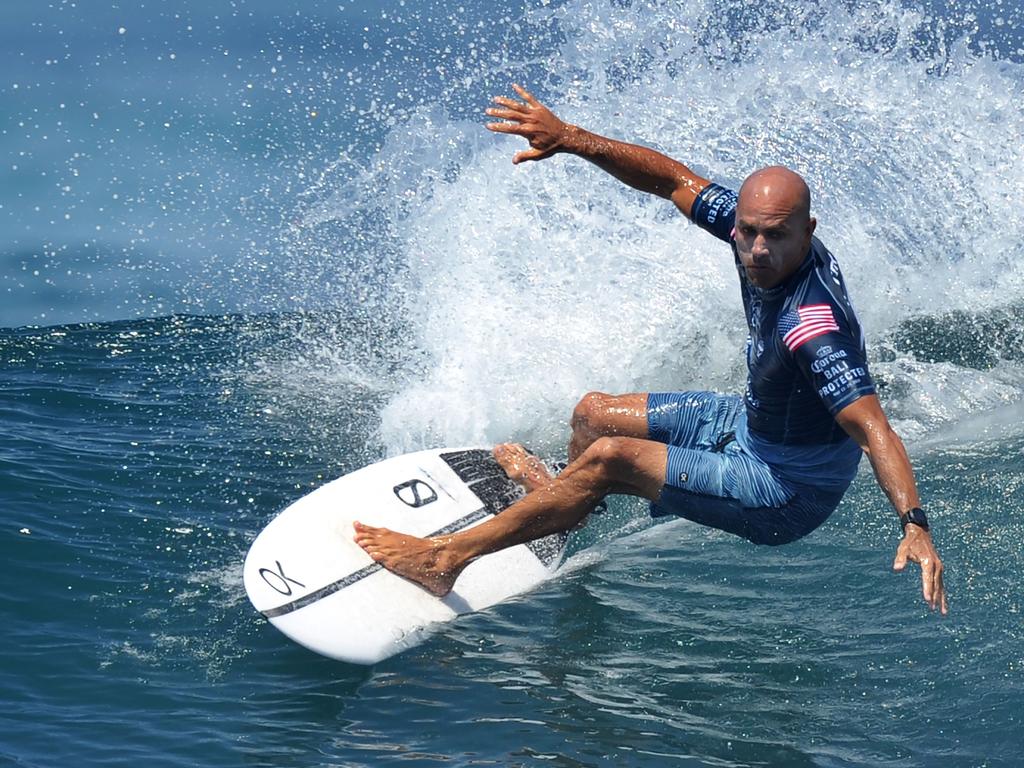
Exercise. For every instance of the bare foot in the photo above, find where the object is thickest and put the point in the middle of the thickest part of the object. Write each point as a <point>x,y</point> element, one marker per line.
<point>423,561</point>
<point>521,466</point>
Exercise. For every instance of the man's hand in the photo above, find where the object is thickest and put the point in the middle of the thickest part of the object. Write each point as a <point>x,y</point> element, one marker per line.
<point>918,548</point>
<point>531,120</point>
<point>639,167</point>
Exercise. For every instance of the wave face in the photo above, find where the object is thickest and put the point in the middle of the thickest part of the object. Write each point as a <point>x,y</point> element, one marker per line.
<point>140,458</point>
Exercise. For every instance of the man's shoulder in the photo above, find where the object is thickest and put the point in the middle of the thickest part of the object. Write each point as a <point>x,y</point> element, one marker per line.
<point>817,300</point>
<point>821,280</point>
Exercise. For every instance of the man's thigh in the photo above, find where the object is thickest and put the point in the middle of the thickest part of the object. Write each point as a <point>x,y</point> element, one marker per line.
<point>702,421</point>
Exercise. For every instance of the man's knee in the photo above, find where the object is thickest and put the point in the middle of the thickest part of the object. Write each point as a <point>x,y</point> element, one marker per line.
<point>611,457</point>
<point>628,465</point>
<point>591,411</point>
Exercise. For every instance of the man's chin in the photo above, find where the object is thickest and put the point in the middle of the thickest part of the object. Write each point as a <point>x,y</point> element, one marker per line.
<point>761,277</point>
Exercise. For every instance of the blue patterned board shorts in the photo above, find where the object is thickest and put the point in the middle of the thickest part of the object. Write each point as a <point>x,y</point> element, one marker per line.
<point>710,479</point>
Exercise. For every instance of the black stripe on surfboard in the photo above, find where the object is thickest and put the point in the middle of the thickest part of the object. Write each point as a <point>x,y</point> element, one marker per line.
<point>362,573</point>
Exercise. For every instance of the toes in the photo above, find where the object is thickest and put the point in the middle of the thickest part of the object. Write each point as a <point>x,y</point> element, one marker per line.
<point>365,536</point>
<point>364,531</point>
<point>502,450</point>
<point>509,449</point>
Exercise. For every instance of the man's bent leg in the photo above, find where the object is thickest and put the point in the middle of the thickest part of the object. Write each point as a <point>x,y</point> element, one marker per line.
<point>609,465</point>
<point>600,415</point>
<point>692,419</point>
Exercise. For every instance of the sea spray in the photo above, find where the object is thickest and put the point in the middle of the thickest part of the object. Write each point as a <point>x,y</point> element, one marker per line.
<point>512,291</point>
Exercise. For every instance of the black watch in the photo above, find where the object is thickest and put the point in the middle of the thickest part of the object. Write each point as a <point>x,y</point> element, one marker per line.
<point>915,516</point>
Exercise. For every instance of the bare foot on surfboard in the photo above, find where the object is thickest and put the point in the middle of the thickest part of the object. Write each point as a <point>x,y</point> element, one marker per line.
<point>423,561</point>
<point>522,466</point>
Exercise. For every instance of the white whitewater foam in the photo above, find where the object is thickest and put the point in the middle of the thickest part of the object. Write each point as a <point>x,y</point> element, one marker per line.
<point>525,287</point>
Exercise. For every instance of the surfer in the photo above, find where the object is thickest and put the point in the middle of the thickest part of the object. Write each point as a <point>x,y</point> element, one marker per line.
<point>769,466</point>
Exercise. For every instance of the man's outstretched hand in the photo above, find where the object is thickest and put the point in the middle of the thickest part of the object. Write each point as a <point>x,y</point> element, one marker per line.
<point>531,120</point>
<point>917,547</point>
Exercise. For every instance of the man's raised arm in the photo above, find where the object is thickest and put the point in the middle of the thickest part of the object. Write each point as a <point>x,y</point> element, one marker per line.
<point>639,167</point>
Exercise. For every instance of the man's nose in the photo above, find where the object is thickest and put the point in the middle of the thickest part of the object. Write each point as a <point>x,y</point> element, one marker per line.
<point>760,250</point>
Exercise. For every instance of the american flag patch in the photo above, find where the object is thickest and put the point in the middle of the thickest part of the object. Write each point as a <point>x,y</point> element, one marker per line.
<point>806,323</point>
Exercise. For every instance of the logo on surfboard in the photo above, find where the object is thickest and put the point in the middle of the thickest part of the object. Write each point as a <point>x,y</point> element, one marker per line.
<point>277,580</point>
<point>415,493</point>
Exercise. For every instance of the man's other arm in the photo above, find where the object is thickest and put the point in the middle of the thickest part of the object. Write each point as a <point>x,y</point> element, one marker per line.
<point>640,167</point>
<point>866,423</point>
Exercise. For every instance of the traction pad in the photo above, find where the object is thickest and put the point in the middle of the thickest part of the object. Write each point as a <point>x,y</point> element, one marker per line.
<point>479,470</point>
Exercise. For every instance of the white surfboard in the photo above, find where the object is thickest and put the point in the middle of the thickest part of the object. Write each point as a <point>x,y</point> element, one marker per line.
<point>305,573</point>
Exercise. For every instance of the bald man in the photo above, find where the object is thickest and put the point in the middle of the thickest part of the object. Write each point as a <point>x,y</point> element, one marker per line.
<point>769,466</point>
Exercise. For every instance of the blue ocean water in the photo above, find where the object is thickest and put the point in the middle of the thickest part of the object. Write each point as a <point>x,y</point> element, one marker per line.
<point>249,246</point>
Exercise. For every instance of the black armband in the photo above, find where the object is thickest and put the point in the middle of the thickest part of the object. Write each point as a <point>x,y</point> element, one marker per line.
<point>714,210</point>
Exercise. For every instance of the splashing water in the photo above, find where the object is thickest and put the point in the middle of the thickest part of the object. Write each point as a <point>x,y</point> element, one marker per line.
<point>512,291</point>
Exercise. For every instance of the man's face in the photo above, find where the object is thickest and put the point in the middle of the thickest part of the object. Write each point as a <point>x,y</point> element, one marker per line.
<point>772,235</point>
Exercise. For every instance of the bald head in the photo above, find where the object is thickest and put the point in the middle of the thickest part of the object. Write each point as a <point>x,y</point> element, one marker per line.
<point>783,189</point>
<point>773,225</point>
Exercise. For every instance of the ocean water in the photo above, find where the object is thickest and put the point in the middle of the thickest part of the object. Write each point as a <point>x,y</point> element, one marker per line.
<point>250,246</point>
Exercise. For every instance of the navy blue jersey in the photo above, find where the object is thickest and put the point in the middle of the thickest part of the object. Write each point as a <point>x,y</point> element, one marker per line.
<point>805,358</point>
